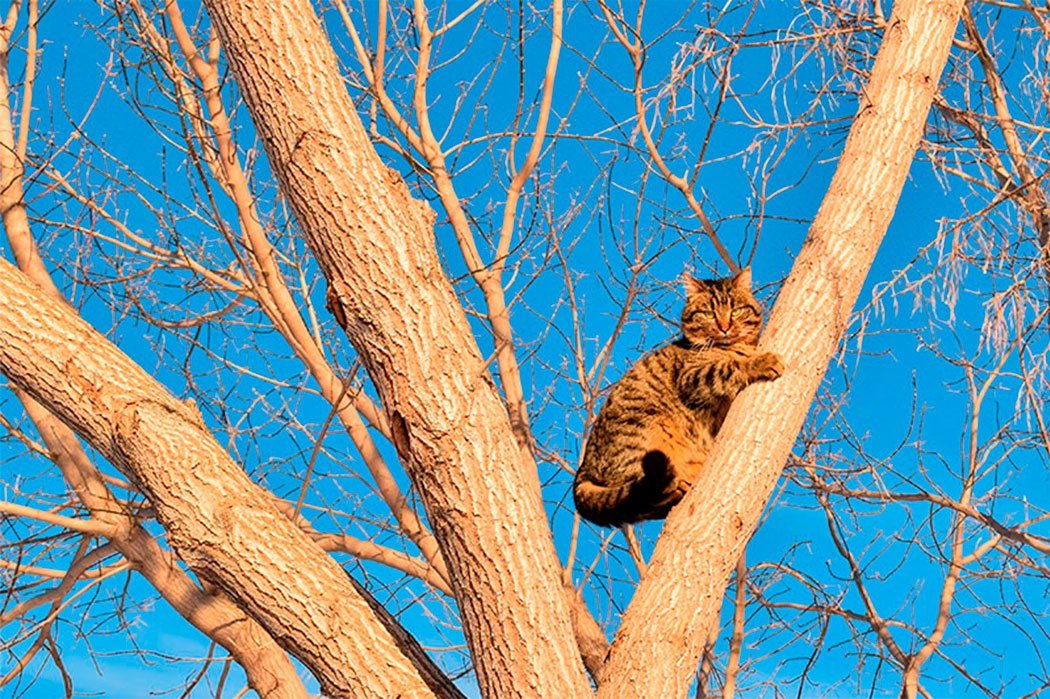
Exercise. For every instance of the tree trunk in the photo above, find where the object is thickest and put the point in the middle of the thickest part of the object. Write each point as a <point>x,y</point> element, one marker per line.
<point>267,667</point>
<point>224,526</point>
<point>375,246</point>
<point>663,630</point>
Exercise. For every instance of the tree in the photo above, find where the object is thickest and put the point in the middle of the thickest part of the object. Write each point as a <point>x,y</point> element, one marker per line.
<point>419,368</point>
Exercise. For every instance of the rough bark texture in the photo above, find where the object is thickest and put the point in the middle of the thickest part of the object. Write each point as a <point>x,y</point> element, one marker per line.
<point>406,642</point>
<point>387,289</point>
<point>223,525</point>
<point>663,630</point>
<point>268,668</point>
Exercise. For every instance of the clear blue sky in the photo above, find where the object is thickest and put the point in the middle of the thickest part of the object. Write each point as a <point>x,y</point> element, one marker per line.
<point>592,181</point>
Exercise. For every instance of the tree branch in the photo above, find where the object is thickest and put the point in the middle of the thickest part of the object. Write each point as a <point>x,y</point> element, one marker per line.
<point>223,525</point>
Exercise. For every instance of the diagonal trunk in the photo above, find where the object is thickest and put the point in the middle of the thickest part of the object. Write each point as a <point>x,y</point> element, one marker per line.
<point>267,667</point>
<point>223,525</point>
<point>663,630</point>
<point>387,289</point>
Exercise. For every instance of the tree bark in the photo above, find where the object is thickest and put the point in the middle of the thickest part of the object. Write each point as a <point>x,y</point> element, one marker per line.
<point>662,634</point>
<point>267,667</point>
<point>224,526</point>
<point>375,246</point>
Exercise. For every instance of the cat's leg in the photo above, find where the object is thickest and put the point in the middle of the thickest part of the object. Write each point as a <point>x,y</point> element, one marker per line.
<point>724,375</point>
<point>670,461</point>
<point>764,366</point>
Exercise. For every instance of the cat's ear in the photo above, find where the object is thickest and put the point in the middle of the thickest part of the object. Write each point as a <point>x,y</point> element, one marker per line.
<point>691,284</point>
<point>742,279</point>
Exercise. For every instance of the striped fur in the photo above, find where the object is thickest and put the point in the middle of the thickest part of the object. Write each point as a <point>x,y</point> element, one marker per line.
<point>651,437</point>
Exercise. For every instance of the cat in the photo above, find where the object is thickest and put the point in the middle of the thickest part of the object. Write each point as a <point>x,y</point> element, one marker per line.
<point>651,437</point>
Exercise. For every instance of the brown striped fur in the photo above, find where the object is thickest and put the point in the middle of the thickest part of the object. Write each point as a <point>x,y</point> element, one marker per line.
<point>651,437</point>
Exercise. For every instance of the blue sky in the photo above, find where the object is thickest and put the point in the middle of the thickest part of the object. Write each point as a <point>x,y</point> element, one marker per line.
<point>594,206</point>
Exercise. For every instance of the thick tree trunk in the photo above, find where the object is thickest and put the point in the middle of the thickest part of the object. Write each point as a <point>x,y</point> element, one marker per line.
<point>663,630</point>
<point>224,526</point>
<point>268,668</point>
<point>375,246</point>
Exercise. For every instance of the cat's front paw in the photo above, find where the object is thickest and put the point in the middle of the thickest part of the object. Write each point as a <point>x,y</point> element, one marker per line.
<point>766,366</point>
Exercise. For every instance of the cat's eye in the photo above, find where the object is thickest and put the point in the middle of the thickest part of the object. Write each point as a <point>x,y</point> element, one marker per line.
<point>740,311</point>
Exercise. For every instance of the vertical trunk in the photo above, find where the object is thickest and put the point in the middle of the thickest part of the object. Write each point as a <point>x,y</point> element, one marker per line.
<point>223,525</point>
<point>663,630</point>
<point>375,246</point>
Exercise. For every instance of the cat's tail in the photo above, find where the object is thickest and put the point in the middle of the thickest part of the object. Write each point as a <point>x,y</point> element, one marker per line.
<point>649,496</point>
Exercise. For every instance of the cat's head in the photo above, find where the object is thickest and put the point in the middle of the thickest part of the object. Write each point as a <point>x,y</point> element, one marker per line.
<point>721,311</point>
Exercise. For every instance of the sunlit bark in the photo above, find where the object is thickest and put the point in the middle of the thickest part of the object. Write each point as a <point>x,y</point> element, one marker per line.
<point>388,291</point>
<point>268,669</point>
<point>224,526</point>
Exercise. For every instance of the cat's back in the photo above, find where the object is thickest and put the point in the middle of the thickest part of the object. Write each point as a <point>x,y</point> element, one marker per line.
<point>645,392</point>
<point>648,387</point>
<point>618,440</point>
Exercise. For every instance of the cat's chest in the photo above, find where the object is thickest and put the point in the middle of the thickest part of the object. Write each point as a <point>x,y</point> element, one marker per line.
<point>728,357</point>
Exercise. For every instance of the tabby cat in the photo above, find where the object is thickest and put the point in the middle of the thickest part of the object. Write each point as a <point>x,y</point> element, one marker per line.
<point>653,433</point>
